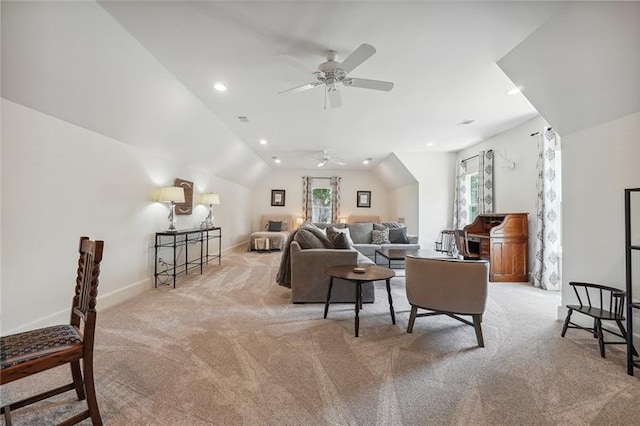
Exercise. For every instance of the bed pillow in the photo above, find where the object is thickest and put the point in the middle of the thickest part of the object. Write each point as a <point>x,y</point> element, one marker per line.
<point>380,236</point>
<point>393,224</point>
<point>274,225</point>
<point>398,235</point>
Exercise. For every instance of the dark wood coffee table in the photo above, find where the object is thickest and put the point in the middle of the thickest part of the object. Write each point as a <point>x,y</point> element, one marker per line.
<point>373,273</point>
<point>394,254</point>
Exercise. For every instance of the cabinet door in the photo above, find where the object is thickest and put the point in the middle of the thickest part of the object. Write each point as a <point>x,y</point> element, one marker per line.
<point>508,260</point>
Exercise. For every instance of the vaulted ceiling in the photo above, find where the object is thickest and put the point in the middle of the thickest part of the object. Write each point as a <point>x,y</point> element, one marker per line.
<point>143,74</point>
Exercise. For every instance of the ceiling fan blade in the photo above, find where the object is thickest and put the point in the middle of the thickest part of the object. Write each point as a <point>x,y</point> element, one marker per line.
<point>301,88</point>
<point>368,84</point>
<point>339,162</point>
<point>335,100</point>
<point>360,55</point>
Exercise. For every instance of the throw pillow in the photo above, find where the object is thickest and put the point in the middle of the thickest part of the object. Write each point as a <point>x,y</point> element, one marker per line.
<point>379,226</point>
<point>380,237</point>
<point>339,240</point>
<point>332,231</point>
<point>360,232</point>
<point>274,226</point>
<point>398,235</point>
<point>308,239</point>
<point>393,224</point>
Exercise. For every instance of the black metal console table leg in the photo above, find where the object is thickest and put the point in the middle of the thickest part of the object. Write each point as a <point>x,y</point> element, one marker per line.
<point>326,304</point>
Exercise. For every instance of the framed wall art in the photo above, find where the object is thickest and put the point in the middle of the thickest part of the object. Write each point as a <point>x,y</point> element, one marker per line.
<point>185,208</point>
<point>363,199</point>
<point>277,197</point>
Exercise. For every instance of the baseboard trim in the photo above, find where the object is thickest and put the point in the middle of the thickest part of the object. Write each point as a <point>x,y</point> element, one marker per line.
<point>105,301</point>
<point>241,243</point>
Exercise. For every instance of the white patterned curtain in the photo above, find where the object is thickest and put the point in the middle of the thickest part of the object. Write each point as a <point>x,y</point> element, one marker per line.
<point>485,182</point>
<point>307,198</point>
<point>460,198</point>
<point>546,268</point>
<point>335,199</point>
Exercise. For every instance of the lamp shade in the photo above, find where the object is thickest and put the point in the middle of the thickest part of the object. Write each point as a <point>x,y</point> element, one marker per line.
<point>342,220</point>
<point>210,198</point>
<point>171,193</point>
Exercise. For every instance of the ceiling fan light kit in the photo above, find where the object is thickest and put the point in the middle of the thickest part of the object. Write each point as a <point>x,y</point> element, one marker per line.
<point>332,74</point>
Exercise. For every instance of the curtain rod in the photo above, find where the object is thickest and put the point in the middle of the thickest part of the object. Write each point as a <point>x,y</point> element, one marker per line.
<point>473,156</point>
<point>537,133</point>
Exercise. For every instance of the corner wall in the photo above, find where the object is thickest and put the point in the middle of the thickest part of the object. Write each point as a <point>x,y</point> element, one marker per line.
<point>598,164</point>
<point>61,181</point>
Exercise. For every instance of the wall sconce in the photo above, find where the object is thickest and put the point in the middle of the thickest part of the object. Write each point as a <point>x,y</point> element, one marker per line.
<point>342,220</point>
<point>210,199</point>
<point>173,195</point>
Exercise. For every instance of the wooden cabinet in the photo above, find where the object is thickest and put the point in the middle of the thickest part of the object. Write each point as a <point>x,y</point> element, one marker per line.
<point>502,239</point>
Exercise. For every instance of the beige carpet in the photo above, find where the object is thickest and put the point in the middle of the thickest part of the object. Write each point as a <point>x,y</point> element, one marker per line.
<point>227,348</point>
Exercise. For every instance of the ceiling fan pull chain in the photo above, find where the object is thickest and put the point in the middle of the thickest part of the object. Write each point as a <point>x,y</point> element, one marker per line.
<point>325,98</point>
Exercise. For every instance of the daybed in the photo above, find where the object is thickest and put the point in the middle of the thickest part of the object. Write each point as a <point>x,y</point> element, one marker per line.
<point>271,240</point>
<point>361,227</point>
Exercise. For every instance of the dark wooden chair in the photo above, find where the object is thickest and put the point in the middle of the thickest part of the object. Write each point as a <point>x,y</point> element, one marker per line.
<point>31,352</point>
<point>462,245</point>
<point>601,303</point>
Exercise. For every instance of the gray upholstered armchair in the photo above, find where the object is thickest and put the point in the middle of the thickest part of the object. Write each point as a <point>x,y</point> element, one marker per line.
<point>449,287</point>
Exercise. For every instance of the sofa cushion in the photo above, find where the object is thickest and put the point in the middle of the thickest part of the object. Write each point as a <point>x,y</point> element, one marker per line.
<point>329,225</point>
<point>380,236</point>
<point>398,235</point>
<point>367,249</point>
<point>308,239</point>
<point>360,232</point>
<point>331,231</point>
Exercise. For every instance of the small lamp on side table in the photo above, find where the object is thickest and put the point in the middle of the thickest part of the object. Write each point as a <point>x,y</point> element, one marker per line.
<point>210,199</point>
<point>173,195</point>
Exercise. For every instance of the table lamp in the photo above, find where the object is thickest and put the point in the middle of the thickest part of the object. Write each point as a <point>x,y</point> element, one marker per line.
<point>173,195</point>
<point>210,199</point>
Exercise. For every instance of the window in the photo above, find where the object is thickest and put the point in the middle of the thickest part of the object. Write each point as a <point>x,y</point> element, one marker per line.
<point>321,204</point>
<point>472,184</point>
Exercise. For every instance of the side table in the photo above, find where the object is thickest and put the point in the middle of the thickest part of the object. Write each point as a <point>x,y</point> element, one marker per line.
<point>372,273</point>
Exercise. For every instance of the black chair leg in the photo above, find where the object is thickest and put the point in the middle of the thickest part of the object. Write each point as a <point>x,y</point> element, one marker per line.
<point>477,325</point>
<point>598,327</point>
<point>412,318</point>
<point>624,333</point>
<point>566,322</point>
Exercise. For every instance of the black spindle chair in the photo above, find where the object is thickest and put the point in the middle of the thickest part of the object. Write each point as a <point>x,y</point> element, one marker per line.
<point>602,303</point>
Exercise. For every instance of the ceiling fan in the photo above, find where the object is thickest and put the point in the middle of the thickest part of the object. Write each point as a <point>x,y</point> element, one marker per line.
<point>324,158</point>
<point>331,74</point>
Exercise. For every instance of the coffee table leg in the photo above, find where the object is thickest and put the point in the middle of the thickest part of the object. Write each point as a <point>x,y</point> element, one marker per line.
<point>326,304</point>
<point>357,320</point>
<point>393,314</point>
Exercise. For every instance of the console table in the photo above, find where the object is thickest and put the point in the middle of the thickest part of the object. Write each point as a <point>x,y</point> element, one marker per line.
<point>182,239</point>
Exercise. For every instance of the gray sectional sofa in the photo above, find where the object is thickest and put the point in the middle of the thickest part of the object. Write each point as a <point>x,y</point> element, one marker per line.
<point>309,282</point>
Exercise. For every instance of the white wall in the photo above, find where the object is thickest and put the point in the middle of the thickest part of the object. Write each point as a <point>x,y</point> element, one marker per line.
<point>514,190</point>
<point>291,181</point>
<point>404,202</point>
<point>434,172</point>
<point>598,164</point>
<point>59,182</point>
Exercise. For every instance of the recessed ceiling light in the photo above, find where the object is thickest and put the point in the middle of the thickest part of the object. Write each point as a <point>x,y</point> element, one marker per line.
<point>263,141</point>
<point>367,161</point>
<point>430,144</point>
<point>220,87</point>
<point>276,160</point>
<point>514,91</point>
